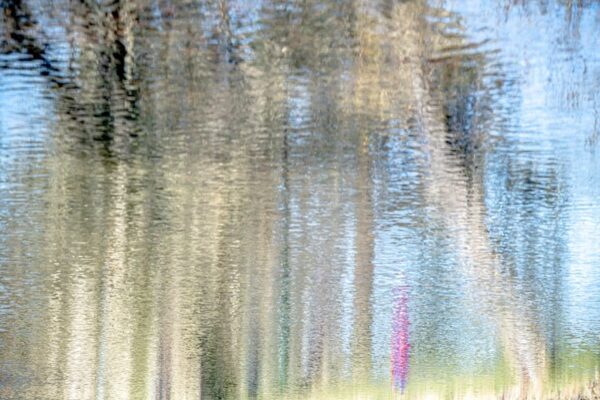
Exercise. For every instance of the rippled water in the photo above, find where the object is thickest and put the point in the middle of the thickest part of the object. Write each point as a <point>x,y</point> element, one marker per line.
<point>299,199</point>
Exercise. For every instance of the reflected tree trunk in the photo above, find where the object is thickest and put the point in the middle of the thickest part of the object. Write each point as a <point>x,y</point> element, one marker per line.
<point>363,271</point>
<point>459,194</point>
<point>284,301</point>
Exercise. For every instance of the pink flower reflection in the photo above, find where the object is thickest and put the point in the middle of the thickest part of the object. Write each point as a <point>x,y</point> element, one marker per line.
<point>400,342</point>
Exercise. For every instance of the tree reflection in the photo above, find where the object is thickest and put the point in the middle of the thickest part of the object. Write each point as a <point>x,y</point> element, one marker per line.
<point>225,167</point>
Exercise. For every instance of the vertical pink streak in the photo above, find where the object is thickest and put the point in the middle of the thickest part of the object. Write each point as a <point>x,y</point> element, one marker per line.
<point>400,340</point>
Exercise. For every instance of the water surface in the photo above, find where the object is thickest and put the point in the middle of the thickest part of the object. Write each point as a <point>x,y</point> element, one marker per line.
<point>299,199</point>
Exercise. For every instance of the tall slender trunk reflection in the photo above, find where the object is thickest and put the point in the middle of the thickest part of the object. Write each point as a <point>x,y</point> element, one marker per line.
<point>285,296</point>
<point>363,271</point>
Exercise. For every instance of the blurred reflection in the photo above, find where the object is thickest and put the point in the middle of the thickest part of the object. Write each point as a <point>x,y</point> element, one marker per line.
<point>215,199</point>
<point>400,339</point>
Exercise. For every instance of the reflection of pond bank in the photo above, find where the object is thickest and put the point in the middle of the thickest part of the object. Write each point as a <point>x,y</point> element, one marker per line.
<point>465,390</point>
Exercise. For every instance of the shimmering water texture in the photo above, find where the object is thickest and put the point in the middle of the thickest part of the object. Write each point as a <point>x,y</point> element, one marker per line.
<point>301,199</point>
